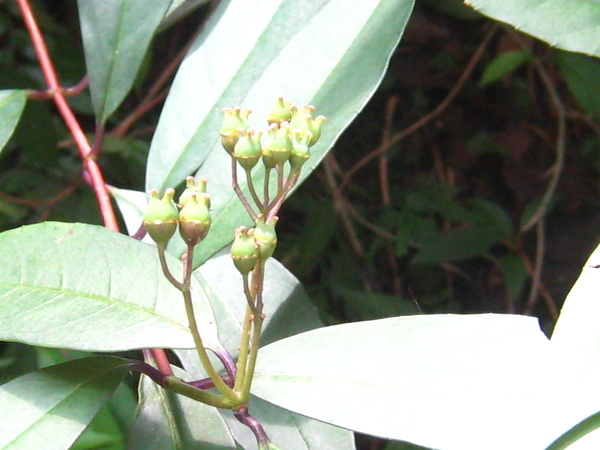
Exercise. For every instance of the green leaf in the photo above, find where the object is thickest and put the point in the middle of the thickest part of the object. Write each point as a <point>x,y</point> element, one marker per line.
<point>568,24</point>
<point>12,103</point>
<point>582,74</point>
<point>116,35</point>
<point>252,53</point>
<point>50,408</point>
<point>458,244</point>
<point>88,288</point>
<point>165,420</point>
<point>502,65</point>
<point>288,430</point>
<point>579,431</point>
<point>441,381</point>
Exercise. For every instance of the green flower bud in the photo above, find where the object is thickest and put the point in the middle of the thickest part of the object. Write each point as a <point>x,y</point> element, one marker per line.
<point>278,146</point>
<point>300,151</point>
<point>193,188</point>
<point>194,219</point>
<point>302,122</point>
<point>244,250</point>
<point>280,112</point>
<point>248,149</point>
<point>234,122</point>
<point>265,236</point>
<point>160,217</point>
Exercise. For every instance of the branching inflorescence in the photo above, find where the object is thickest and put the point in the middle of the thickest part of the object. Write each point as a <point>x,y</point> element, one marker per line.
<point>283,148</point>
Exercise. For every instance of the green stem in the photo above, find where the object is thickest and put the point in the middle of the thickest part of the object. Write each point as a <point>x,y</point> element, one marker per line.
<point>258,276</point>
<point>189,310</point>
<point>180,387</point>
<point>245,339</point>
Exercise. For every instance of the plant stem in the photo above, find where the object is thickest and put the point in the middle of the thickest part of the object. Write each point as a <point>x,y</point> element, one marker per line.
<point>243,416</point>
<point>181,387</point>
<point>251,312</point>
<point>266,187</point>
<point>89,160</point>
<point>279,199</point>
<point>259,205</point>
<point>238,191</point>
<point>189,310</point>
<point>257,288</point>
<point>165,268</point>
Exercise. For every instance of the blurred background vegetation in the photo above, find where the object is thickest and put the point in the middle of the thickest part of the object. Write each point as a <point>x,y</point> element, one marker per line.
<point>431,200</point>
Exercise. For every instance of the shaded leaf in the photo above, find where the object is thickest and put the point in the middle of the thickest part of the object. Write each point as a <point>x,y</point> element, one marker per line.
<point>12,103</point>
<point>502,65</point>
<point>116,35</point>
<point>458,244</point>
<point>279,48</point>
<point>441,381</point>
<point>568,24</point>
<point>288,430</point>
<point>165,420</point>
<point>88,288</point>
<point>50,408</point>
<point>582,74</point>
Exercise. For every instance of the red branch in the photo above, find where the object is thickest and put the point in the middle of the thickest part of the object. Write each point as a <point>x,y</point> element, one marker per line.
<point>89,159</point>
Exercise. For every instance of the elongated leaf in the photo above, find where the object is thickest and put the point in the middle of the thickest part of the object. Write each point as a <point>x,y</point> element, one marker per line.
<point>568,24</point>
<point>12,103</point>
<point>88,288</point>
<point>331,53</point>
<point>169,421</point>
<point>441,381</point>
<point>116,35</point>
<point>51,407</point>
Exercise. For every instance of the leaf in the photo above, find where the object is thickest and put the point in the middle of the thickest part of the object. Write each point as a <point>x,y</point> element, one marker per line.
<point>502,65</point>
<point>582,74</point>
<point>250,53</point>
<point>576,331</point>
<point>116,35</point>
<point>288,430</point>
<point>568,24</point>
<point>458,244</point>
<point>165,420</point>
<point>12,103</point>
<point>50,408</point>
<point>88,288</point>
<point>441,381</point>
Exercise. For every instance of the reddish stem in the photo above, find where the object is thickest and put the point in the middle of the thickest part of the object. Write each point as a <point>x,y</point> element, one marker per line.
<point>90,163</point>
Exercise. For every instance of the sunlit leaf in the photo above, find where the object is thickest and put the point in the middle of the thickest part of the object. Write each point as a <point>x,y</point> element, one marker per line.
<point>253,52</point>
<point>441,381</point>
<point>88,288</point>
<point>50,408</point>
<point>165,420</point>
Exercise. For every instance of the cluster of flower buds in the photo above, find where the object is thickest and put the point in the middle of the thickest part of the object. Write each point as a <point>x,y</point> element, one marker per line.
<point>252,245</point>
<point>291,132</point>
<point>191,215</point>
